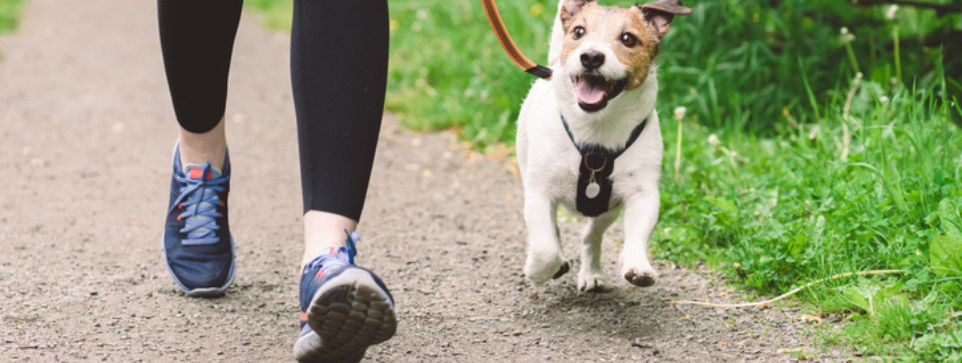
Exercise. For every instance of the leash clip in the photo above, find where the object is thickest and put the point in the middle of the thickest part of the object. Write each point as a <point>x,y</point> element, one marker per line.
<point>519,59</point>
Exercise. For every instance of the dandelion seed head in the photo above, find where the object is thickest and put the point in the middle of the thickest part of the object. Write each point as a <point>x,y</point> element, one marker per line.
<point>713,140</point>
<point>890,13</point>
<point>846,37</point>
<point>680,112</point>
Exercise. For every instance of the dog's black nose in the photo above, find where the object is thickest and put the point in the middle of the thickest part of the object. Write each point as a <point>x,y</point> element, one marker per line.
<point>592,59</point>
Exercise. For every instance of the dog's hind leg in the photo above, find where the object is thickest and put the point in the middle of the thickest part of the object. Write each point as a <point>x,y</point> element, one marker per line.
<point>545,260</point>
<point>641,214</point>
<point>591,277</point>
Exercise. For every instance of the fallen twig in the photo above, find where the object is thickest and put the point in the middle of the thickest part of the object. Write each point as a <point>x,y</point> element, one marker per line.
<point>22,320</point>
<point>790,293</point>
<point>469,317</point>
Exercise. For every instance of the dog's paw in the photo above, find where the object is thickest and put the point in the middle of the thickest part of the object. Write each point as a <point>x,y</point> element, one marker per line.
<point>591,282</point>
<point>641,277</point>
<point>539,270</point>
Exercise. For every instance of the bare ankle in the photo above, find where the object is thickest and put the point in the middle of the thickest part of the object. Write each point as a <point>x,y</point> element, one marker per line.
<point>324,229</point>
<point>210,146</point>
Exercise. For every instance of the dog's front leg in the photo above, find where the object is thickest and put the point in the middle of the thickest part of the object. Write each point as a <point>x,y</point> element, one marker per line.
<point>545,260</point>
<point>641,214</point>
<point>591,277</point>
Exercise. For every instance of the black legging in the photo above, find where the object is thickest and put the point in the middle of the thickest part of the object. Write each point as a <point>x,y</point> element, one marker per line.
<point>339,52</point>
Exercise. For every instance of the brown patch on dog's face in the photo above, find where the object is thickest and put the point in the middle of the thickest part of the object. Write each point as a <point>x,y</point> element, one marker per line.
<point>631,38</point>
<point>607,50</point>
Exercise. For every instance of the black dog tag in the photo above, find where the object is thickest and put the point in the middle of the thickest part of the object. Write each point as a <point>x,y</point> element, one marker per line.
<point>594,184</point>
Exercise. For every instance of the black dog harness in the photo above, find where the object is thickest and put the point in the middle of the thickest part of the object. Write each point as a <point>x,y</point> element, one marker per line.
<point>597,164</point>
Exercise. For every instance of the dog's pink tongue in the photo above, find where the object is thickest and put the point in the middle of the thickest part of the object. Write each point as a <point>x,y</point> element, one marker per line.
<point>590,92</point>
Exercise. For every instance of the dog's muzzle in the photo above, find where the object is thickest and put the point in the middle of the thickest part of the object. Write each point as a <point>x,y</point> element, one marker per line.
<point>593,91</point>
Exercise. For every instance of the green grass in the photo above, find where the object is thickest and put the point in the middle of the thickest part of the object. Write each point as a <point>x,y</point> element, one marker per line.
<point>9,15</point>
<point>790,210</point>
<point>791,187</point>
<point>276,14</point>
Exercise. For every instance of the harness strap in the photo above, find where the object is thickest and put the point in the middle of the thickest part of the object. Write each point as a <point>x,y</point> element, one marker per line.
<point>594,187</point>
<point>584,150</point>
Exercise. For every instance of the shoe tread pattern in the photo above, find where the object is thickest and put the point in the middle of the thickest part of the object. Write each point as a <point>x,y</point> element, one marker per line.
<point>349,319</point>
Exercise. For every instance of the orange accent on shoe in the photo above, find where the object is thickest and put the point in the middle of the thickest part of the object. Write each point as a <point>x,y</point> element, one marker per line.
<point>303,316</point>
<point>319,274</point>
<point>333,250</point>
<point>196,173</point>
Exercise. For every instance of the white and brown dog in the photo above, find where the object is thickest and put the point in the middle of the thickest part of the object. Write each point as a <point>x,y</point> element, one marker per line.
<point>589,138</point>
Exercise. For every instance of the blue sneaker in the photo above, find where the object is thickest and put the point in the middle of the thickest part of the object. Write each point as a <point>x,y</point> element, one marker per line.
<point>344,308</point>
<point>198,248</point>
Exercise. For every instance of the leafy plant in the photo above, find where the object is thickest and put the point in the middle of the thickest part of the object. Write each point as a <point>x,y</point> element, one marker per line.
<point>946,250</point>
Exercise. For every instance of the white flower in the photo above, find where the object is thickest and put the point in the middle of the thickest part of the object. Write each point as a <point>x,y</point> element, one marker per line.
<point>713,140</point>
<point>883,99</point>
<point>890,13</point>
<point>680,112</point>
<point>858,75</point>
<point>846,37</point>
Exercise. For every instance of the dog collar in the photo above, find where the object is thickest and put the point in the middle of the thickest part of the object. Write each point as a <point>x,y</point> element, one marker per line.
<point>597,163</point>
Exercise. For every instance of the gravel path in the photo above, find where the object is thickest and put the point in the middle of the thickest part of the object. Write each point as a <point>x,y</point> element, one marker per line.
<point>86,131</point>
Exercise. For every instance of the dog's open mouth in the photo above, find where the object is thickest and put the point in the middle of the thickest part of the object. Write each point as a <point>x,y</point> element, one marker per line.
<point>594,91</point>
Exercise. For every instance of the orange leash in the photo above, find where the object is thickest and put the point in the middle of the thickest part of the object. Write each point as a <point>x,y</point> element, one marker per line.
<point>498,26</point>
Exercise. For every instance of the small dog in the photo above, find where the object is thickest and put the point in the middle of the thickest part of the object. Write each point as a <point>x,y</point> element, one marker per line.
<point>589,138</point>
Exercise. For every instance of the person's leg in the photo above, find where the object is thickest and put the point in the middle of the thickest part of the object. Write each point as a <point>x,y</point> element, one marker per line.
<point>339,72</point>
<point>197,38</point>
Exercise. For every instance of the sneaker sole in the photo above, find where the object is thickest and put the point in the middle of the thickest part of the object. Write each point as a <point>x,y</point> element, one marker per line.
<point>347,317</point>
<point>202,291</point>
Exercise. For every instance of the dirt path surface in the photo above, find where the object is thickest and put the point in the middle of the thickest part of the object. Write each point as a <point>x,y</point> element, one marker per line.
<point>86,131</point>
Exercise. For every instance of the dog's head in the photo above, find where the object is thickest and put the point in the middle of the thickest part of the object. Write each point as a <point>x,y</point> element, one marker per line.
<point>610,50</point>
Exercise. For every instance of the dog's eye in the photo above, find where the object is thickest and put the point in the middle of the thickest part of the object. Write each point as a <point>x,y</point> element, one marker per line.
<point>578,32</point>
<point>629,40</point>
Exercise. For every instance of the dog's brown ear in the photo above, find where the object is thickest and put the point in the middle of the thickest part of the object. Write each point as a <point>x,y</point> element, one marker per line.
<point>660,14</point>
<point>569,9</point>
